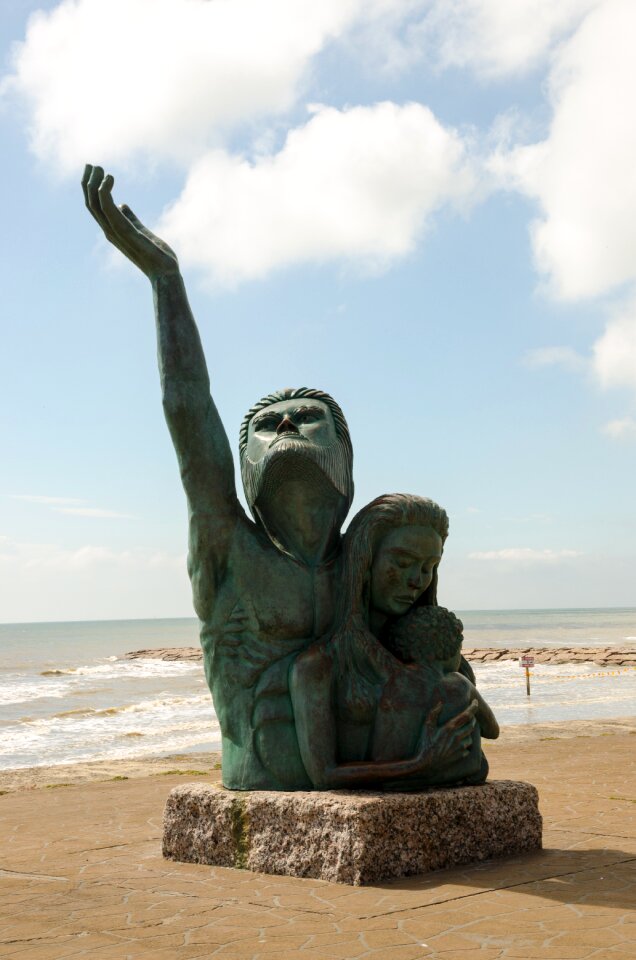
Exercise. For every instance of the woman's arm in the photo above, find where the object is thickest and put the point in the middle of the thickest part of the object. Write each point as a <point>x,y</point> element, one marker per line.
<point>312,690</point>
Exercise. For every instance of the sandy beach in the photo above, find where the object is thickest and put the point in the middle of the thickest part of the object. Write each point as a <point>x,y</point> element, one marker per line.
<point>82,872</point>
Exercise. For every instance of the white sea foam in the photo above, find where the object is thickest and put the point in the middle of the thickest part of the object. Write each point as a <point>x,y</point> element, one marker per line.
<point>16,689</point>
<point>20,688</point>
<point>114,669</point>
<point>150,726</point>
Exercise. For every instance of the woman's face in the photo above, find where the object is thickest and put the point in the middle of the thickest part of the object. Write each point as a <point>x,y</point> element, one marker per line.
<point>403,567</point>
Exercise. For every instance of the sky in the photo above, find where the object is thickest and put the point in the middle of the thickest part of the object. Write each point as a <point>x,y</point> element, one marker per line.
<point>425,207</point>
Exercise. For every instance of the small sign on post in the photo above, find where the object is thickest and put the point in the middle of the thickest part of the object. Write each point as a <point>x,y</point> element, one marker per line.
<point>527,661</point>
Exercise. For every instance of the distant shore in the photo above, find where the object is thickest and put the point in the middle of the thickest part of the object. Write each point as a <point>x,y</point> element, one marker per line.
<point>602,656</point>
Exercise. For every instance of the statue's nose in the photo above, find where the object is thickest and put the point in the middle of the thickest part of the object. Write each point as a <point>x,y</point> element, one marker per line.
<point>286,426</point>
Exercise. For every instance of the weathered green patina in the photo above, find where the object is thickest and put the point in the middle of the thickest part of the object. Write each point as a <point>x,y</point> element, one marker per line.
<point>265,588</point>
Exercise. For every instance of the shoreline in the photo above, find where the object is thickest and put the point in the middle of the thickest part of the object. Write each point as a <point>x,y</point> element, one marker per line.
<point>602,656</point>
<point>195,765</point>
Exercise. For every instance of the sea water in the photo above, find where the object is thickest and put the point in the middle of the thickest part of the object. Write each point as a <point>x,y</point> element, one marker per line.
<point>67,696</point>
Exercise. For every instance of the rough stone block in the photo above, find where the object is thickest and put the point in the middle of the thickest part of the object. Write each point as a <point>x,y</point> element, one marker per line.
<point>355,838</point>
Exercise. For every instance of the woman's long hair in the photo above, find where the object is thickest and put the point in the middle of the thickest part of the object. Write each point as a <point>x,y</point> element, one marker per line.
<point>362,661</point>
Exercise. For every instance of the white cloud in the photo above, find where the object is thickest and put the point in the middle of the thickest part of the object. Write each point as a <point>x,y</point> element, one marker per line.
<point>96,512</point>
<point>30,556</point>
<point>622,428</point>
<point>49,501</point>
<point>469,585</point>
<point>357,184</point>
<point>45,581</point>
<point>564,357</point>
<point>497,37</point>
<point>525,555</point>
<point>493,38</point>
<point>71,506</point>
<point>106,80</point>
<point>109,80</point>
<point>615,350</point>
<point>583,173</point>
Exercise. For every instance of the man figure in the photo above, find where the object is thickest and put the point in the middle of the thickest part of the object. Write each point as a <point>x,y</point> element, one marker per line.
<point>262,589</point>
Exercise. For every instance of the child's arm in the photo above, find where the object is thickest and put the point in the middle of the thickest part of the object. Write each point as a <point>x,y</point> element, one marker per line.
<point>484,716</point>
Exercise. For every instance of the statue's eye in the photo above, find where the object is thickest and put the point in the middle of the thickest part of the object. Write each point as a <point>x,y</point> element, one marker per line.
<point>306,416</point>
<point>265,423</point>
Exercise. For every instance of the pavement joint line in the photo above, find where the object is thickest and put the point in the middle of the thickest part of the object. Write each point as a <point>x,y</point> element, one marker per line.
<point>487,890</point>
<point>594,833</point>
<point>108,846</point>
<point>65,937</point>
<point>33,876</point>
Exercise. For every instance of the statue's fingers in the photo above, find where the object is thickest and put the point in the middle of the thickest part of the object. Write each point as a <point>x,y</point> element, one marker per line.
<point>454,754</point>
<point>133,242</point>
<point>92,187</point>
<point>461,739</point>
<point>91,181</point>
<point>88,169</point>
<point>461,725</point>
<point>466,716</point>
<point>93,190</point>
<point>116,220</point>
<point>466,730</point>
<point>433,716</point>
<point>116,228</point>
<point>133,218</point>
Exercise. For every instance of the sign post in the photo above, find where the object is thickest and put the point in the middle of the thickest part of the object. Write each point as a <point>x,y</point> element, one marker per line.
<point>527,661</point>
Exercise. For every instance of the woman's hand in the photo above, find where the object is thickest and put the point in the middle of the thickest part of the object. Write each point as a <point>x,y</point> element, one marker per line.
<point>440,746</point>
<point>123,229</point>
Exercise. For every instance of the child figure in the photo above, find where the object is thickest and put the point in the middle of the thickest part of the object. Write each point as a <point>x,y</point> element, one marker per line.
<point>427,688</point>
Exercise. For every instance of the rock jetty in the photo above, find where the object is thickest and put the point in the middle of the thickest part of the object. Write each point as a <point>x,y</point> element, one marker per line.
<point>603,656</point>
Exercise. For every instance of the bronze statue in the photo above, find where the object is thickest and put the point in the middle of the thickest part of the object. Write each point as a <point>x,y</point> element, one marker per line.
<point>263,588</point>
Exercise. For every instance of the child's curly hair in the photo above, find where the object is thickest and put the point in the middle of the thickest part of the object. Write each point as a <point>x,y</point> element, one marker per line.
<point>425,634</point>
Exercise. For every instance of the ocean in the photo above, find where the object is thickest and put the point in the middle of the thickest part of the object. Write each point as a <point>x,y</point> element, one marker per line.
<point>66,696</point>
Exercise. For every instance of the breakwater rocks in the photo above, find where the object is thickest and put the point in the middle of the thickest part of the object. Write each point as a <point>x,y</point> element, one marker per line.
<point>185,654</point>
<point>603,656</point>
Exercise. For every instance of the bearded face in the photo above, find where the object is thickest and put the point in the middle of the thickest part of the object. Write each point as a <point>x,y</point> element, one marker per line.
<point>294,439</point>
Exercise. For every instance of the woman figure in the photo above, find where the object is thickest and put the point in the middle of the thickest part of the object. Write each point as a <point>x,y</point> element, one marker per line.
<point>391,553</point>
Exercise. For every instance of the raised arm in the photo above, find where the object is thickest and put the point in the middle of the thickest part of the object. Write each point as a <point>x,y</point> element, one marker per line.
<point>202,447</point>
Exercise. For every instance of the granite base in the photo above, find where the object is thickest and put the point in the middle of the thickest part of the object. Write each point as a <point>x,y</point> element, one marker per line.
<point>354,838</point>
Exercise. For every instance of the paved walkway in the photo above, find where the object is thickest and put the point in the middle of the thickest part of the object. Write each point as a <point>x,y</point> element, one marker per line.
<point>81,875</point>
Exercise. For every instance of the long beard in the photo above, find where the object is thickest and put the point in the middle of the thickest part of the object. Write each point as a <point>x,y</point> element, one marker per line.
<point>291,458</point>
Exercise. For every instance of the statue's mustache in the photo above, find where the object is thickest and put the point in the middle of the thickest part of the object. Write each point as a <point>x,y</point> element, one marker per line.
<point>289,436</point>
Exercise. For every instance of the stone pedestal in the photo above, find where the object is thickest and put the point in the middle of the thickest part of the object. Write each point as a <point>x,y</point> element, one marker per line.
<point>354,838</point>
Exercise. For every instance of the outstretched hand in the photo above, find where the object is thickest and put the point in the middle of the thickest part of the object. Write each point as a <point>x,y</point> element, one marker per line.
<point>124,230</point>
<point>449,743</point>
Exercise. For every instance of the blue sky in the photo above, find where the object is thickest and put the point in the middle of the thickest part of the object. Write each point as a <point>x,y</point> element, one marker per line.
<point>425,207</point>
